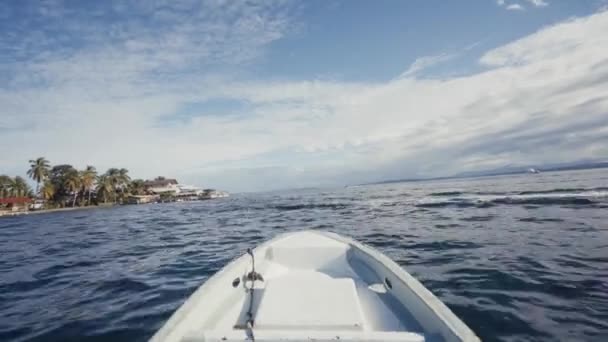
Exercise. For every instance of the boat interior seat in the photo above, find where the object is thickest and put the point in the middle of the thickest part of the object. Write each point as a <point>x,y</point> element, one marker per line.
<point>307,257</point>
<point>307,306</point>
<point>309,300</point>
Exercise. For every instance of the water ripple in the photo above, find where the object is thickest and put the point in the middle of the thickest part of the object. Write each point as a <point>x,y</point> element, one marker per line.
<point>517,258</point>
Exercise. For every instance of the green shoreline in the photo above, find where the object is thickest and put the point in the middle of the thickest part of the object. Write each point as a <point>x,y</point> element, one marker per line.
<point>54,210</point>
<point>64,188</point>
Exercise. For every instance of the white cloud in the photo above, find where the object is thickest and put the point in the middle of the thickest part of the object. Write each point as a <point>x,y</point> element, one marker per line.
<point>423,63</point>
<point>519,7</point>
<point>543,99</point>
<point>515,7</point>
<point>555,43</point>
<point>538,3</point>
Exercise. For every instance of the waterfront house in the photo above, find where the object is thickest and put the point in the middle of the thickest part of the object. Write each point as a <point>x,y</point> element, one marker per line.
<point>162,186</point>
<point>13,205</point>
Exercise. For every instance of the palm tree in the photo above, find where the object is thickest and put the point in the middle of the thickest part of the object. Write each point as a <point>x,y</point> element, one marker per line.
<point>123,181</point>
<point>6,186</point>
<point>113,176</point>
<point>39,171</point>
<point>88,177</point>
<point>12,188</point>
<point>47,190</point>
<point>20,187</point>
<point>124,177</point>
<point>119,179</point>
<point>104,187</point>
<point>72,184</point>
<point>136,187</point>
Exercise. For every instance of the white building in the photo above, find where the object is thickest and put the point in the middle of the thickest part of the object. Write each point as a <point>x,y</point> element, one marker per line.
<point>162,186</point>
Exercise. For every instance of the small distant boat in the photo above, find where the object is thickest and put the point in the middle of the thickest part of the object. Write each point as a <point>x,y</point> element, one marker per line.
<point>212,193</point>
<point>313,286</point>
<point>532,170</point>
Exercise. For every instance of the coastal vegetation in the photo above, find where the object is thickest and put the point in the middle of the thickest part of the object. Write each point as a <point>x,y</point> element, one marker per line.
<point>63,185</point>
<point>14,187</point>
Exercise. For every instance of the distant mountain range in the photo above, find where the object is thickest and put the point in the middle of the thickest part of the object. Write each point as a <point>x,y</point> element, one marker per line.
<point>510,170</point>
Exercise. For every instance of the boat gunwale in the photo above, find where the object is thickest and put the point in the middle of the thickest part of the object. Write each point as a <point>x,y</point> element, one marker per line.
<point>453,323</point>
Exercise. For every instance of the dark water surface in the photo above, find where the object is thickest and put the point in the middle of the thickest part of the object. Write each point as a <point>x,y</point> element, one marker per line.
<point>518,258</point>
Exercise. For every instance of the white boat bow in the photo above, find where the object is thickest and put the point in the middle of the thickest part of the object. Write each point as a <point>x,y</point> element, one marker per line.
<point>317,286</point>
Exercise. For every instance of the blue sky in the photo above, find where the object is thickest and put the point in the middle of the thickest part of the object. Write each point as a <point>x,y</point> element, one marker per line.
<point>376,40</point>
<point>253,96</point>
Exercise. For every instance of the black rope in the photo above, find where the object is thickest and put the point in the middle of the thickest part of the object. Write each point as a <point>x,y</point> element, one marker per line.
<point>251,276</point>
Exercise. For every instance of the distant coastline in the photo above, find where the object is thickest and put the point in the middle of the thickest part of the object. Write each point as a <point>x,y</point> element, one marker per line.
<point>506,171</point>
<point>53,210</point>
<point>63,188</point>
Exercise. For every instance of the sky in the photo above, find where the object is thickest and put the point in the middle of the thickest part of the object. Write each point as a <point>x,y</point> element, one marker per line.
<point>253,96</point>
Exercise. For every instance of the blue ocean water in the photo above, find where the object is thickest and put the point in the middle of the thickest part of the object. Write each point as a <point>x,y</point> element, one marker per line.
<point>518,258</point>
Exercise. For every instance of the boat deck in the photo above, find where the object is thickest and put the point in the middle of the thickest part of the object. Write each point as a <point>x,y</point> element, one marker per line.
<point>318,288</point>
<point>313,286</point>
